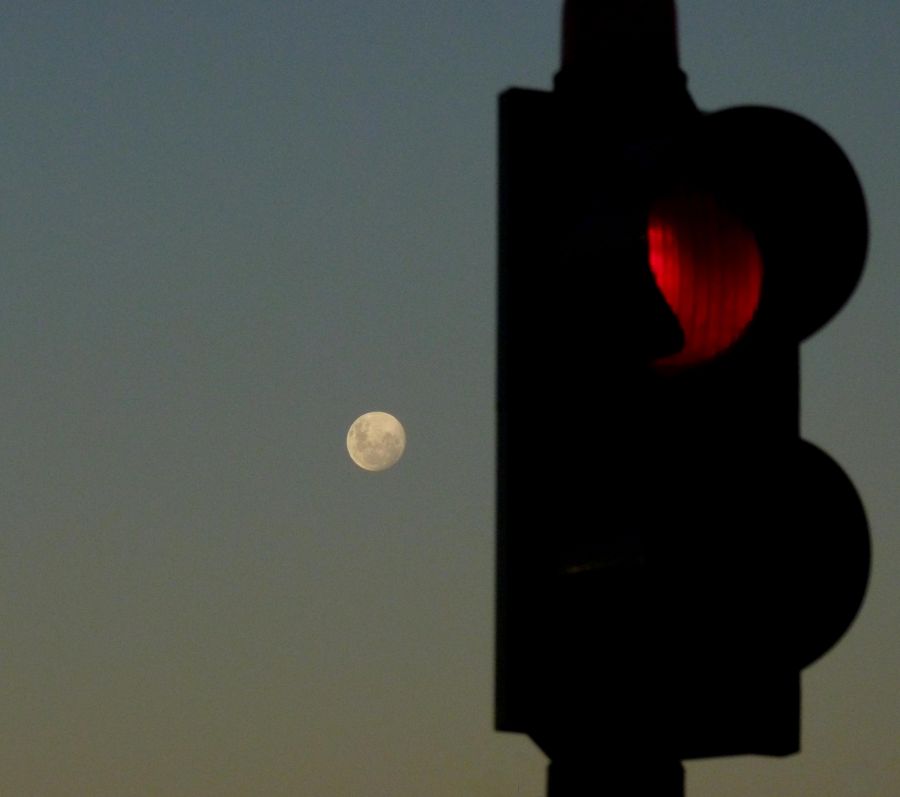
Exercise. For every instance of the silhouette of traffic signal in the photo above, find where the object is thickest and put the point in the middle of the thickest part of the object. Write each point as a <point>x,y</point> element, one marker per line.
<point>671,554</point>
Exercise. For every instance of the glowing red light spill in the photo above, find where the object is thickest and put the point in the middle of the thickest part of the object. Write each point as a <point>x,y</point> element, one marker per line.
<point>708,267</point>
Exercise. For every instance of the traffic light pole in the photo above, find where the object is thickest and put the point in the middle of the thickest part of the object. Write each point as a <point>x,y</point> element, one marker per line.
<point>621,778</point>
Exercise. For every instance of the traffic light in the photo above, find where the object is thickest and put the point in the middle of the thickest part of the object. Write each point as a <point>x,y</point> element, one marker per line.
<point>671,554</point>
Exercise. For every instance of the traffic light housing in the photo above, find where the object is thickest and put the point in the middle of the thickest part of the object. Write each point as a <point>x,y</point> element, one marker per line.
<point>671,554</point>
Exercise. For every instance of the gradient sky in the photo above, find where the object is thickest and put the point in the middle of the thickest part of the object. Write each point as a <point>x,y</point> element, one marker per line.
<point>229,228</point>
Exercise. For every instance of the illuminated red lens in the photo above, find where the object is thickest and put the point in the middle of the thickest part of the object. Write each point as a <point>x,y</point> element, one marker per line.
<point>708,267</point>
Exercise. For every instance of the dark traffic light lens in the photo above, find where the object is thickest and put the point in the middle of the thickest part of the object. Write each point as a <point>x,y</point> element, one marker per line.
<point>708,267</point>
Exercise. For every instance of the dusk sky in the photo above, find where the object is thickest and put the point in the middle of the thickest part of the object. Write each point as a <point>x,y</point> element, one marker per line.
<point>227,229</point>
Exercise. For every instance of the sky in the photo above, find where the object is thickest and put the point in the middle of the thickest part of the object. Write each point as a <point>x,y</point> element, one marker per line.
<point>229,228</point>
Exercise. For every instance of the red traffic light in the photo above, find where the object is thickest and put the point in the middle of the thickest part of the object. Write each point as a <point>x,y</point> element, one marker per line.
<point>708,267</point>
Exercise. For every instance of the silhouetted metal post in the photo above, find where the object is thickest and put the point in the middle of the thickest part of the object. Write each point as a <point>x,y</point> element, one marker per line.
<point>621,778</point>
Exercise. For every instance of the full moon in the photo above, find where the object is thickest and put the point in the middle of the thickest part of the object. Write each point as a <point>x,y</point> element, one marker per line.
<point>376,441</point>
